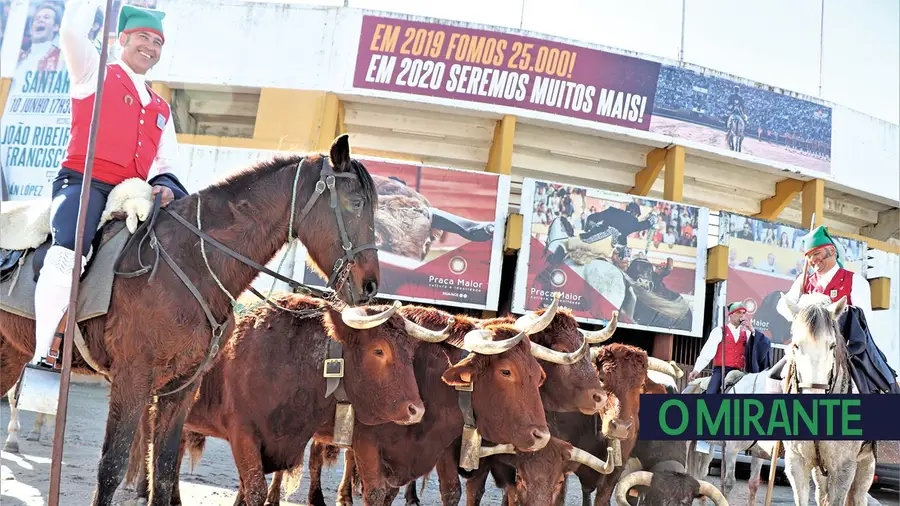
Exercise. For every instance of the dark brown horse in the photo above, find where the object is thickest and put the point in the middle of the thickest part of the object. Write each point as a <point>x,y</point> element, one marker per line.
<point>157,335</point>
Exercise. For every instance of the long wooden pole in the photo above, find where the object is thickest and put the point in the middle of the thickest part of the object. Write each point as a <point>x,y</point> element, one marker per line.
<point>62,403</point>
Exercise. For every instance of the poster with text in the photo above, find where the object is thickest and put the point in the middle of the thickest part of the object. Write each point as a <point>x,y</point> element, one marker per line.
<point>439,233</point>
<point>438,60</point>
<point>604,252</point>
<point>35,127</point>
<point>765,258</point>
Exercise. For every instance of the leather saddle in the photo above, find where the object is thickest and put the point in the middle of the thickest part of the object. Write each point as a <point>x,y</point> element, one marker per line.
<point>11,260</point>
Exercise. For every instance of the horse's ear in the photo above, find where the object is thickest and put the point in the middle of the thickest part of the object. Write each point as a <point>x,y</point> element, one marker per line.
<point>340,153</point>
<point>787,308</point>
<point>836,308</point>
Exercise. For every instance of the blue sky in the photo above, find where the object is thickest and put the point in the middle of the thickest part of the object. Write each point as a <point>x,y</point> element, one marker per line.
<point>771,41</point>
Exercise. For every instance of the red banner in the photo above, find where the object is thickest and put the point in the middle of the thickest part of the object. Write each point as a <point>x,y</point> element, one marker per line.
<point>760,294</point>
<point>500,68</point>
<point>439,233</point>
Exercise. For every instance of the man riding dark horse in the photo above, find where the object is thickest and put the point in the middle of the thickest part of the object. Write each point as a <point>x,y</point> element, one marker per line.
<point>616,223</point>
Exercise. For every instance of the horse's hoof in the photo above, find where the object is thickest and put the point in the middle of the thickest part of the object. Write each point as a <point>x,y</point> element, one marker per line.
<point>11,447</point>
<point>33,436</point>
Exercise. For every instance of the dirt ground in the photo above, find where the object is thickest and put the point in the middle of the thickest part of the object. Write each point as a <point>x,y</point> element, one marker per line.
<point>25,477</point>
<point>751,146</point>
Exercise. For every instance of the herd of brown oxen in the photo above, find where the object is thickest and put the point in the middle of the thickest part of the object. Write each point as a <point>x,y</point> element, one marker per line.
<point>531,400</point>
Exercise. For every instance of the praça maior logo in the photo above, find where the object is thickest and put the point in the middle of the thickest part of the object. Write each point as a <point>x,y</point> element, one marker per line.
<point>750,304</point>
<point>558,278</point>
<point>458,265</point>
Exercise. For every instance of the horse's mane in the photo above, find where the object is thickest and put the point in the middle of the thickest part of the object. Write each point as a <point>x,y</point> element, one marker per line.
<point>250,175</point>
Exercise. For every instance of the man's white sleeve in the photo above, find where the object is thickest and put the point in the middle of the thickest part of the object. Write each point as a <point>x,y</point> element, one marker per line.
<point>708,351</point>
<point>861,295</point>
<point>82,58</point>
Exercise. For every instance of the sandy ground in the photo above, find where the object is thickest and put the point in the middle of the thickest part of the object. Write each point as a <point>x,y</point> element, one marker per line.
<point>25,477</point>
<point>751,146</point>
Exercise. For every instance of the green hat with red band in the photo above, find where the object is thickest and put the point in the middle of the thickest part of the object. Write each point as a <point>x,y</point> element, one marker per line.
<point>820,238</point>
<point>734,307</point>
<point>133,19</point>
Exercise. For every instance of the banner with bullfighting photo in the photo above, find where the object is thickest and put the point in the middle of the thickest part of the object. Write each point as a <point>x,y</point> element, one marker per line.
<point>542,75</point>
<point>764,260</point>
<point>752,120</point>
<point>604,251</point>
<point>34,129</point>
<point>439,233</point>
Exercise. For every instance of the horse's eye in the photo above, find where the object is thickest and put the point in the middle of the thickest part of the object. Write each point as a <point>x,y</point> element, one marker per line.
<point>356,204</point>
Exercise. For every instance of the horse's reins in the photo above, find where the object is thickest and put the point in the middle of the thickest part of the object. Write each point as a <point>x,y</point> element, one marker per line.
<point>340,272</point>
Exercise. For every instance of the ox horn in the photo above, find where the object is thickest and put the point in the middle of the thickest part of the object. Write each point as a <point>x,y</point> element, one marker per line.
<point>598,336</point>
<point>531,323</point>
<point>585,458</point>
<point>558,357</point>
<point>595,350</point>
<point>655,364</point>
<point>711,492</point>
<point>486,451</point>
<point>427,335</point>
<point>357,318</point>
<point>629,482</point>
<point>479,341</point>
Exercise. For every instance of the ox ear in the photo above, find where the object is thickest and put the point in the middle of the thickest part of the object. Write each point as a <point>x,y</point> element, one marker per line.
<point>461,373</point>
<point>340,153</point>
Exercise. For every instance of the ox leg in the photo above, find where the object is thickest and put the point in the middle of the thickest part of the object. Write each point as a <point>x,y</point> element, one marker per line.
<point>166,429</point>
<point>448,479</point>
<point>12,429</point>
<point>248,459</point>
<point>475,485</point>
<point>273,498</point>
<point>730,449</point>
<point>753,485</point>
<point>606,486</point>
<point>316,462</point>
<point>865,473</point>
<point>129,393</point>
<point>412,498</point>
<point>349,477</point>
<point>391,494</point>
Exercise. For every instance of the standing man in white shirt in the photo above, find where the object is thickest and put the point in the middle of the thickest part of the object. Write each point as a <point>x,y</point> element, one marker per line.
<point>135,138</point>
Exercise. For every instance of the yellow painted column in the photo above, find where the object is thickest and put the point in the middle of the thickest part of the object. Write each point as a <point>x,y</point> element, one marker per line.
<point>163,90</point>
<point>813,202</point>
<point>296,120</point>
<point>674,180</point>
<point>5,85</point>
<point>500,155</point>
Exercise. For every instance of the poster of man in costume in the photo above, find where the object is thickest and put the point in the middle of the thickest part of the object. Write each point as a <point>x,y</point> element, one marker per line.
<point>606,252</point>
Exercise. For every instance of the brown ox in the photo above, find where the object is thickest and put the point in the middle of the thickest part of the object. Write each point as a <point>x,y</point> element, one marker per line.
<point>269,422</point>
<point>623,370</point>
<point>505,401</point>
<point>571,385</point>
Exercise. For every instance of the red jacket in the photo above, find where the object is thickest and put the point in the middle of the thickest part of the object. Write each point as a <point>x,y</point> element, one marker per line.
<point>128,133</point>
<point>734,351</point>
<point>840,285</point>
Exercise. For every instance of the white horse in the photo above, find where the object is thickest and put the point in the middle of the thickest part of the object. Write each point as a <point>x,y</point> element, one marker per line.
<point>818,363</point>
<point>12,429</point>
<point>736,382</point>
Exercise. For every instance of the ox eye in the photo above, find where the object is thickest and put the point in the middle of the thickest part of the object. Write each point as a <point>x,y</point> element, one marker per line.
<point>379,352</point>
<point>506,372</point>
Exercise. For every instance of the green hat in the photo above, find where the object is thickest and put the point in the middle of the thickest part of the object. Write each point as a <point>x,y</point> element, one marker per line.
<point>132,19</point>
<point>819,238</point>
<point>735,307</point>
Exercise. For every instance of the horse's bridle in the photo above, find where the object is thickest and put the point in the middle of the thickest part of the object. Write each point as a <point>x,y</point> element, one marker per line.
<point>340,272</point>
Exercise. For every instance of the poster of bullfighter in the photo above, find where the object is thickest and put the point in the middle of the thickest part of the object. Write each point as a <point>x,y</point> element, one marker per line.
<point>605,252</point>
<point>764,259</point>
<point>439,233</point>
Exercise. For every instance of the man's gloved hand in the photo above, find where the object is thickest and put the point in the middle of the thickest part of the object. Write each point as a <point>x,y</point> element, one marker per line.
<point>167,195</point>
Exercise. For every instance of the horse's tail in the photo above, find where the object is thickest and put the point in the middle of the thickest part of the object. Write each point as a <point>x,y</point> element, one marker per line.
<point>194,446</point>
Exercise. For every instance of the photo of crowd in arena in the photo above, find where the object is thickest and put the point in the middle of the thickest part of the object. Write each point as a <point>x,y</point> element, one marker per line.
<point>611,252</point>
<point>723,113</point>
<point>764,259</point>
